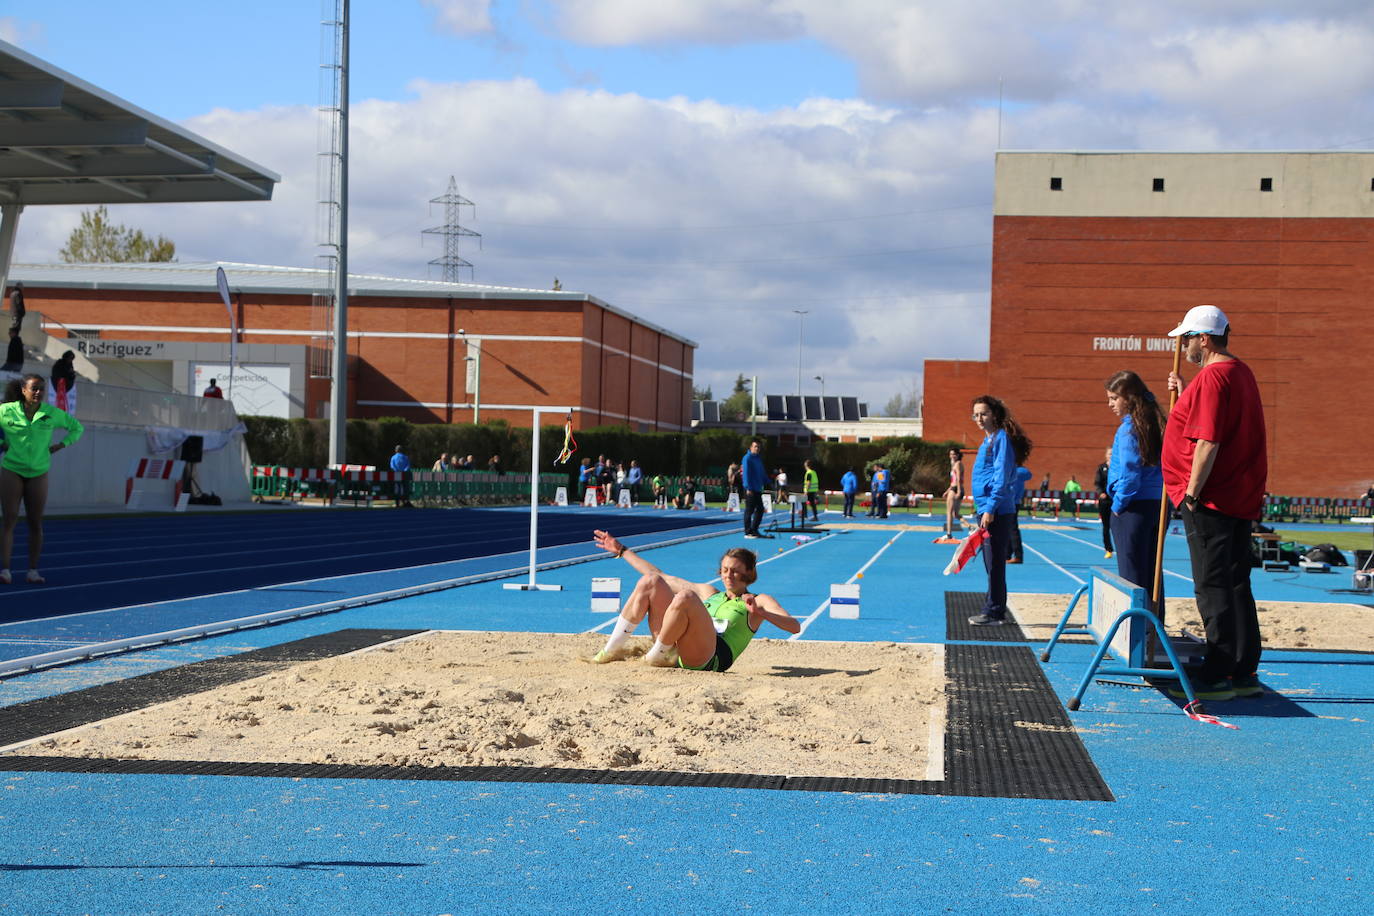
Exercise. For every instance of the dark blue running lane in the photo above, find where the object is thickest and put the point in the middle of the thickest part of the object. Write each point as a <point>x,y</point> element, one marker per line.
<point>99,563</point>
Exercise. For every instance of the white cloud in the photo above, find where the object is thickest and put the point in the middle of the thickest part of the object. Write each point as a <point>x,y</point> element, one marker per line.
<point>713,221</point>
<point>19,32</point>
<point>462,17</point>
<point>937,52</point>
<point>630,22</point>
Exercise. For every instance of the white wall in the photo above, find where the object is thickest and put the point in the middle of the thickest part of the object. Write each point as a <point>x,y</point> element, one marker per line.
<point>92,473</point>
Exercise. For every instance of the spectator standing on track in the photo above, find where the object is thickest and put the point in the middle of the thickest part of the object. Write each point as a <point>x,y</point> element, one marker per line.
<point>28,424</point>
<point>1104,503</point>
<point>882,482</point>
<point>1215,468</point>
<point>849,485</point>
<point>586,477</point>
<point>213,390</point>
<point>632,480</point>
<point>811,489</point>
<point>1135,481</point>
<point>781,493</point>
<point>400,463</point>
<point>605,478</point>
<point>954,496</point>
<point>1004,447</point>
<point>1069,498</point>
<point>755,479</point>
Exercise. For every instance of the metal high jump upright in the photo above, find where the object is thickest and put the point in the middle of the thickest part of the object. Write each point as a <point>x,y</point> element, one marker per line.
<point>531,585</point>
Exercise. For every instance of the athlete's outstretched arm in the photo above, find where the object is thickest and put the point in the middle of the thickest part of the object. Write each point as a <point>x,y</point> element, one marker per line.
<point>607,542</point>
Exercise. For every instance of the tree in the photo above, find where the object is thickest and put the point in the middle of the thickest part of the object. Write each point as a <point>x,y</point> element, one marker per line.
<point>702,394</point>
<point>904,403</point>
<point>739,403</point>
<point>97,240</point>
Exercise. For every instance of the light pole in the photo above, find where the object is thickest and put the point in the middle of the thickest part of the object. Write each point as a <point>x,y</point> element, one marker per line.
<point>801,323</point>
<point>821,379</point>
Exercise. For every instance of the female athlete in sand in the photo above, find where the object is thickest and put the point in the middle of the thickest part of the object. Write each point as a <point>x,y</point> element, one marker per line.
<point>694,625</point>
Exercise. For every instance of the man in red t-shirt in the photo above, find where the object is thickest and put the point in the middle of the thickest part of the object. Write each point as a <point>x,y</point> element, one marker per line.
<point>213,391</point>
<point>1215,466</point>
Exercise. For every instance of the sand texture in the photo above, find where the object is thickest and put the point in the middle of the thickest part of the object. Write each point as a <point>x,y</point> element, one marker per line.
<point>526,699</point>
<point>1283,624</point>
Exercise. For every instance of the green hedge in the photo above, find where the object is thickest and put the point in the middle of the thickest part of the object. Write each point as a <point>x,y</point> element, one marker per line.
<point>305,443</point>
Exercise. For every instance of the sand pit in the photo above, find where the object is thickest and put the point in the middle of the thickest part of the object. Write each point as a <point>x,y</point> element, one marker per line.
<point>525,699</point>
<point>1283,624</point>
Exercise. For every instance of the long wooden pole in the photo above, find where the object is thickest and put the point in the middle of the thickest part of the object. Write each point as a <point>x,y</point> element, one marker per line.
<point>1158,587</point>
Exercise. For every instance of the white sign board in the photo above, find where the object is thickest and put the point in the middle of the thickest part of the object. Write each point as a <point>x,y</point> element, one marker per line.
<point>560,496</point>
<point>259,390</point>
<point>844,601</point>
<point>606,596</point>
<point>732,503</point>
<point>589,498</point>
<point>623,501</point>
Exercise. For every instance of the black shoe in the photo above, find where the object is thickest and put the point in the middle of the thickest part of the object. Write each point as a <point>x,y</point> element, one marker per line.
<point>987,620</point>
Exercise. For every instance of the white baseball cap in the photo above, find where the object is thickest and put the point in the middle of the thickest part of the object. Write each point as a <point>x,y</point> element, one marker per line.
<point>1202,319</point>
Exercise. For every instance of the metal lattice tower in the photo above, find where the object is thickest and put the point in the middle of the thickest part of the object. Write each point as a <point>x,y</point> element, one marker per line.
<point>452,233</point>
<point>329,179</point>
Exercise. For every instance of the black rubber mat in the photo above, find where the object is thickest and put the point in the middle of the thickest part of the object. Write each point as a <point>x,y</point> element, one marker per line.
<point>960,606</point>
<point>36,718</point>
<point>1007,735</point>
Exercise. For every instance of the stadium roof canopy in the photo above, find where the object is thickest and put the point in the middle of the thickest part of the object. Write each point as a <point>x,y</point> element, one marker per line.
<point>65,141</point>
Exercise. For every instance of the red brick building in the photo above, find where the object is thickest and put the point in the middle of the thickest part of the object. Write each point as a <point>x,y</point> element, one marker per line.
<point>1096,256</point>
<point>423,350</point>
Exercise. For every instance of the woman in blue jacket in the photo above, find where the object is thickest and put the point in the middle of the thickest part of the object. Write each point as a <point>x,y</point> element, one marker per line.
<point>1004,447</point>
<point>1135,481</point>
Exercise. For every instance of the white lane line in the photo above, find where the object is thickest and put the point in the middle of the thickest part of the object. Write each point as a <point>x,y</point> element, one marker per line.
<point>1052,563</point>
<point>857,573</point>
<point>1167,571</point>
<point>777,556</point>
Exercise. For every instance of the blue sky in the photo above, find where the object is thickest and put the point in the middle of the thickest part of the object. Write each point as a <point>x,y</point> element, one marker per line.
<point>255,53</point>
<point>710,165</point>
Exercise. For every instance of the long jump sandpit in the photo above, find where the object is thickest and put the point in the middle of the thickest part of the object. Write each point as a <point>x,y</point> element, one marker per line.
<point>489,699</point>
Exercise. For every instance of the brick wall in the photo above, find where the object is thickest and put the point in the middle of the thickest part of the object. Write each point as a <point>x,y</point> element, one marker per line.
<point>1295,291</point>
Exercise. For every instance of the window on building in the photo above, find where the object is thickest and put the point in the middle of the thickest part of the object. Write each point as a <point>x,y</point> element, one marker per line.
<point>1056,184</point>
<point>865,439</point>
<point>1158,185</point>
<point>1266,184</point>
<point>832,438</point>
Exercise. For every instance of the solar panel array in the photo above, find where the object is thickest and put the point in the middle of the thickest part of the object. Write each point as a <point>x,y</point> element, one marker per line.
<point>783,407</point>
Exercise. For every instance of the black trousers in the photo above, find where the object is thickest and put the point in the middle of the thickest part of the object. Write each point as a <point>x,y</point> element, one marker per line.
<point>849,505</point>
<point>1104,514</point>
<point>753,511</point>
<point>1219,546</point>
<point>995,551</point>
<point>1136,531</point>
